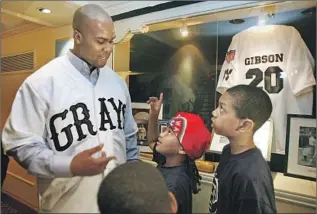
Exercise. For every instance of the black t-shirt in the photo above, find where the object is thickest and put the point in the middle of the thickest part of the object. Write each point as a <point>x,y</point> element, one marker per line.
<point>243,184</point>
<point>178,182</point>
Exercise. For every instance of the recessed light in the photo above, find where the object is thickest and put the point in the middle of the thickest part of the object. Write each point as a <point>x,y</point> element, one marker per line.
<point>45,10</point>
<point>184,31</point>
<point>236,21</point>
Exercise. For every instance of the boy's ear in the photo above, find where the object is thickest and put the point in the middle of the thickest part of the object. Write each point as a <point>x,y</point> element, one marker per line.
<point>173,203</point>
<point>246,125</point>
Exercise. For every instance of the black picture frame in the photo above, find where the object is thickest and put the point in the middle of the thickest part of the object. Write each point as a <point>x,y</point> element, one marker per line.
<point>161,124</point>
<point>301,163</point>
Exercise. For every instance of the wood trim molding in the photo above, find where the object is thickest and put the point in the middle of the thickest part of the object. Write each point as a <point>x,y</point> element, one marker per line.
<point>21,179</point>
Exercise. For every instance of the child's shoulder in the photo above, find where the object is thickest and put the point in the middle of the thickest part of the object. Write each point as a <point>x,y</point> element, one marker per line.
<point>182,184</point>
<point>254,168</point>
<point>251,164</point>
<point>176,178</point>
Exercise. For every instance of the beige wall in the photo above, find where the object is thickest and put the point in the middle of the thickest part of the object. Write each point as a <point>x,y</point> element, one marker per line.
<point>41,41</point>
<point>19,184</point>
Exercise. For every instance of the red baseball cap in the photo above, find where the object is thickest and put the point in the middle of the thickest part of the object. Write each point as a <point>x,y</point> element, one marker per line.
<point>192,133</point>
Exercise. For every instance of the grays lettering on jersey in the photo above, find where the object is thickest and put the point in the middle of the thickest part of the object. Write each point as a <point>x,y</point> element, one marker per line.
<point>105,121</point>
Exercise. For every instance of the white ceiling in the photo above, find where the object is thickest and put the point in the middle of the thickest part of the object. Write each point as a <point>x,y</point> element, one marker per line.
<point>118,7</point>
<point>18,17</point>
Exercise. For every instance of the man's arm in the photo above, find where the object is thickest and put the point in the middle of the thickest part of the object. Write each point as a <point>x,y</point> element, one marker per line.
<point>40,161</point>
<point>22,136</point>
<point>132,148</point>
<point>130,130</point>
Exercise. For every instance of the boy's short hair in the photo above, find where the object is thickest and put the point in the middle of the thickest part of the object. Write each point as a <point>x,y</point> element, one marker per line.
<point>252,103</point>
<point>134,187</point>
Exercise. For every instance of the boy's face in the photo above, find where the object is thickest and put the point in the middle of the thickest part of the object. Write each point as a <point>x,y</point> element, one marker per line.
<point>224,119</point>
<point>168,143</point>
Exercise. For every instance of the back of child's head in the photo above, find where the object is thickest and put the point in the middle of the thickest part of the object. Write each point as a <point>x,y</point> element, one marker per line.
<point>134,187</point>
<point>252,103</point>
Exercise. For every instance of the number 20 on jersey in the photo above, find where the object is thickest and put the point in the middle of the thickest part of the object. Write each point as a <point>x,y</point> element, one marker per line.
<point>273,78</point>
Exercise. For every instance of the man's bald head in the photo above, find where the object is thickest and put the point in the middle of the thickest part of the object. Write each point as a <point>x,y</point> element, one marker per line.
<point>89,12</point>
<point>93,35</point>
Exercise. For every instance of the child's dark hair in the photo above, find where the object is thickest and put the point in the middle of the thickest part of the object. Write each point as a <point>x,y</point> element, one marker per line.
<point>193,175</point>
<point>252,103</point>
<point>134,187</point>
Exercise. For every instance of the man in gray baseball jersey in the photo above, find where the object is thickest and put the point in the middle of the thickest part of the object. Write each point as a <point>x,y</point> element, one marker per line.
<point>71,121</point>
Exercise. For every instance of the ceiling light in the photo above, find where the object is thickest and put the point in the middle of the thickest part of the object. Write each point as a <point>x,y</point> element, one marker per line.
<point>236,21</point>
<point>271,15</point>
<point>184,31</point>
<point>145,29</point>
<point>45,10</point>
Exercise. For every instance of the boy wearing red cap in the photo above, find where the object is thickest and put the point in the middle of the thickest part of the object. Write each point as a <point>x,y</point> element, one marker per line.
<point>175,150</point>
<point>243,182</point>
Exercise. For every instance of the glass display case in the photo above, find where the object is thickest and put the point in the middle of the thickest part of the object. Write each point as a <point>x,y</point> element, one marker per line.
<point>194,59</point>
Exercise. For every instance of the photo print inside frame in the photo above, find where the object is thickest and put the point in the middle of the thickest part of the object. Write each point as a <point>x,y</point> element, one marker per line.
<point>141,117</point>
<point>307,146</point>
<point>162,125</point>
<point>141,114</point>
<point>300,148</point>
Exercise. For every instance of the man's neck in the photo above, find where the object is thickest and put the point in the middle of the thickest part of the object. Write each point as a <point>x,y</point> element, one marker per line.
<point>76,53</point>
<point>176,160</point>
<point>240,145</point>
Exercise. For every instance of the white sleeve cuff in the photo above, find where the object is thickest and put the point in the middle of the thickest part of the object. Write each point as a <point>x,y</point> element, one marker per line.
<point>60,166</point>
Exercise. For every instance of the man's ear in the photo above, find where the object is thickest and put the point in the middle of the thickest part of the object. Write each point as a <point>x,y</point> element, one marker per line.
<point>246,125</point>
<point>77,37</point>
<point>173,202</point>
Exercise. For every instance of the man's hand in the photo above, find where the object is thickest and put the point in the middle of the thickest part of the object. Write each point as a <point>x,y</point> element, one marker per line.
<point>155,105</point>
<point>83,164</point>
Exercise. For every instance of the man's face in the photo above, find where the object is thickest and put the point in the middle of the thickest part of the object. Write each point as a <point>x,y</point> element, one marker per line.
<point>96,42</point>
<point>168,144</point>
<point>224,119</point>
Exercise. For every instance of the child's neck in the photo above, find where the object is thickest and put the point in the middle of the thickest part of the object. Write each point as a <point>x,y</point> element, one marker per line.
<point>240,145</point>
<point>176,160</point>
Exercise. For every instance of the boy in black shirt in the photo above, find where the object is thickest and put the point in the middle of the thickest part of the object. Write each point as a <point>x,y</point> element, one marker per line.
<point>175,150</point>
<point>243,182</point>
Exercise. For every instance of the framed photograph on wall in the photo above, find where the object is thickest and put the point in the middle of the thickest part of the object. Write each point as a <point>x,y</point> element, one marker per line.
<point>262,139</point>
<point>300,148</point>
<point>162,124</point>
<point>141,114</point>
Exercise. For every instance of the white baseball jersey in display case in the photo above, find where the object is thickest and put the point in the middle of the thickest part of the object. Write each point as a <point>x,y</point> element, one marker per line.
<point>276,59</point>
